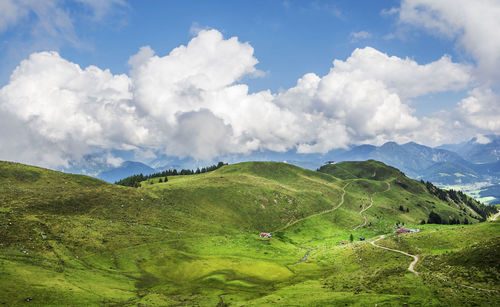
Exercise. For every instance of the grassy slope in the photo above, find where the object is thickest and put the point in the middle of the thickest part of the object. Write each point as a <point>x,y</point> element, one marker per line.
<point>73,240</point>
<point>461,261</point>
<point>407,192</point>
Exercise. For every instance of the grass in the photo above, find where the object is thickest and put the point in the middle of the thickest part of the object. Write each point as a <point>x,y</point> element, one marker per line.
<point>459,261</point>
<point>73,240</point>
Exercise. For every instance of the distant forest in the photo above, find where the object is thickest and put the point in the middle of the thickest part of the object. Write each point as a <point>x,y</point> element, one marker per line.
<point>135,180</point>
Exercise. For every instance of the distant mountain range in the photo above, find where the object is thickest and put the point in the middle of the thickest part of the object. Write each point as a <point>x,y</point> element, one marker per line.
<point>417,161</point>
<point>484,150</point>
<point>472,162</point>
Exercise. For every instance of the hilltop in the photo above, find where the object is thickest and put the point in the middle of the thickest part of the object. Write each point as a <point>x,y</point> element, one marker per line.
<point>375,170</point>
<point>74,240</point>
<point>370,169</point>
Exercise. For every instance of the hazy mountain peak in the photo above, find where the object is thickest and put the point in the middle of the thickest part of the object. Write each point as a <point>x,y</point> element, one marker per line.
<point>481,139</point>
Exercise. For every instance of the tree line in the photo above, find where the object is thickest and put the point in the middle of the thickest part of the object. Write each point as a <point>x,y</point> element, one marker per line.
<point>135,180</point>
<point>435,218</point>
<point>459,197</point>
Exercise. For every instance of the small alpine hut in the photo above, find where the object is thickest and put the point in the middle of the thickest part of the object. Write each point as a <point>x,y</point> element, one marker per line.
<point>402,230</point>
<point>265,235</point>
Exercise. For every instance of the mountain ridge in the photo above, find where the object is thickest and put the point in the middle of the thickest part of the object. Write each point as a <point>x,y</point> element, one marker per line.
<point>439,165</point>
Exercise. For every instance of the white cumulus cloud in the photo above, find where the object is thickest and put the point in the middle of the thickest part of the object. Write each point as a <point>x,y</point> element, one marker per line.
<point>192,102</point>
<point>405,76</point>
<point>365,97</point>
<point>475,25</point>
<point>481,110</point>
<point>75,108</point>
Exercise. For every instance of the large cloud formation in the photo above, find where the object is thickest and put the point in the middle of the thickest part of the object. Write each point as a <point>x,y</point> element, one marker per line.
<point>481,109</point>
<point>76,109</point>
<point>475,27</point>
<point>191,102</point>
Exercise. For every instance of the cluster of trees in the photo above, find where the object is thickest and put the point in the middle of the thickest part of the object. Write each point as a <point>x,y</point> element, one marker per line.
<point>459,197</point>
<point>483,210</point>
<point>435,218</point>
<point>132,181</point>
<point>135,180</point>
<point>440,193</point>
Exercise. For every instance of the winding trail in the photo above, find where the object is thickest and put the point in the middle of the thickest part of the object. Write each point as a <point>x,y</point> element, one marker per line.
<point>494,217</point>
<point>315,214</point>
<point>415,258</point>
<point>364,216</point>
<point>371,204</point>
<point>341,202</point>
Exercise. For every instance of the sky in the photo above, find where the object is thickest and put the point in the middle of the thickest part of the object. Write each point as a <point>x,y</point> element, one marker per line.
<point>204,79</point>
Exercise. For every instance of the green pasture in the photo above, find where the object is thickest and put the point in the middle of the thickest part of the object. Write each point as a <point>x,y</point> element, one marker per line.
<point>70,240</point>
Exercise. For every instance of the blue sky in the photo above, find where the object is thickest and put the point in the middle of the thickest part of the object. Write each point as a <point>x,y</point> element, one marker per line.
<point>290,38</point>
<point>417,75</point>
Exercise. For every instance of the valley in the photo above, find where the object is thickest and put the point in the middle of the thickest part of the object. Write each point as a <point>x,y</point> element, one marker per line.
<point>193,240</point>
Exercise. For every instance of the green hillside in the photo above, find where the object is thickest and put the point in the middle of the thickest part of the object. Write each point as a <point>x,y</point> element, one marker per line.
<point>370,169</point>
<point>73,240</point>
<point>412,192</point>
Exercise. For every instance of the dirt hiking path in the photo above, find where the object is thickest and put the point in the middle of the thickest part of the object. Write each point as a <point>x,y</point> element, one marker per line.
<point>371,204</point>
<point>415,258</point>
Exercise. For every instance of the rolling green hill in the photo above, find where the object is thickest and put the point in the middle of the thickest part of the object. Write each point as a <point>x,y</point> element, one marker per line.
<point>73,240</point>
<point>369,169</point>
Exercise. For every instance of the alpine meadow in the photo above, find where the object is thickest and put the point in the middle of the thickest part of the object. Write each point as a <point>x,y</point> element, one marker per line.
<point>249,153</point>
<point>193,240</point>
